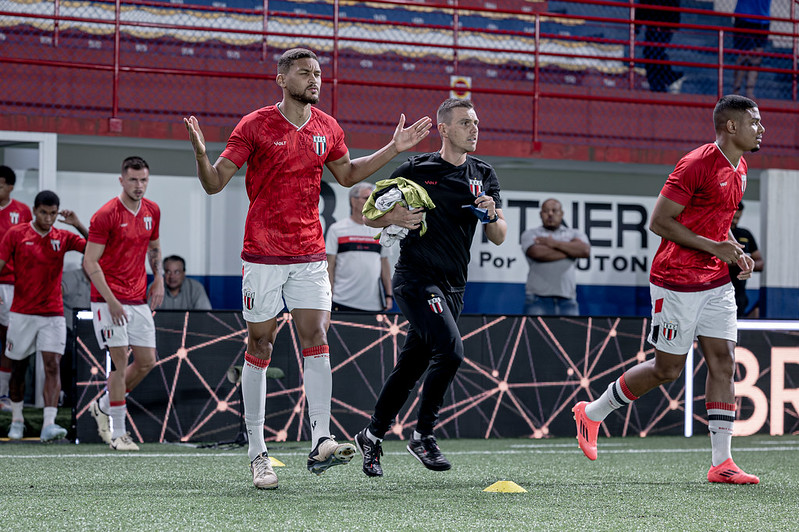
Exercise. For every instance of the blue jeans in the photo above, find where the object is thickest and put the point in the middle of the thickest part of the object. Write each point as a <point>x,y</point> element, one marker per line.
<point>551,306</point>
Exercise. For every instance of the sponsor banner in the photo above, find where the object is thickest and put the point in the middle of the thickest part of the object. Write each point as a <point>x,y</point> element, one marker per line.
<point>622,246</point>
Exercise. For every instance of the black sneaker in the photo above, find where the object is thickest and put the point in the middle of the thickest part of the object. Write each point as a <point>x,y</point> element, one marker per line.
<point>371,453</point>
<point>427,452</point>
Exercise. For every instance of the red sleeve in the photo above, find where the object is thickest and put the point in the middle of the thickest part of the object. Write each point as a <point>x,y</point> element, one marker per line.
<point>156,222</point>
<point>338,149</point>
<point>684,181</point>
<point>240,144</point>
<point>7,246</point>
<point>75,242</point>
<point>26,216</point>
<point>100,227</point>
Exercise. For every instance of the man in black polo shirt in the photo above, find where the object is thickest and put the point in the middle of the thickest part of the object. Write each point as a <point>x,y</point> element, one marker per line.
<point>430,277</point>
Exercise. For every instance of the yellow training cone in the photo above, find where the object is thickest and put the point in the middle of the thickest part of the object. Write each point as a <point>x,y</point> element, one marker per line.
<point>505,486</point>
<point>276,462</point>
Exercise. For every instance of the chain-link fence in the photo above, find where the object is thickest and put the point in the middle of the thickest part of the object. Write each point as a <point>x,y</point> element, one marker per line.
<point>587,72</point>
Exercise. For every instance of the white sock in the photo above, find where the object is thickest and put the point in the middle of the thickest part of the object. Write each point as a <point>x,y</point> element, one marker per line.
<point>318,390</point>
<point>720,419</point>
<point>5,378</point>
<point>372,437</point>
<point>416,435</point>
<point>49,415</point>
<point>16,411</point>
<point>117,415</point>
<point>253,391</point>
<point>616,396</point>
<point>103,403</point>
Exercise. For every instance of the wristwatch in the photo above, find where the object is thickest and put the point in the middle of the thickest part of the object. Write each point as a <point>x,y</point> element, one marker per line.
<point>494,219</point>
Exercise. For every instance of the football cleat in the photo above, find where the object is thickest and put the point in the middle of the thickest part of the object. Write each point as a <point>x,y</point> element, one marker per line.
<point>53,432</point>
<point>587,430</point>
<point>371,453</point>
<point>103,422</point>
<point>329,453</point>
<point>124,443</point>
<point>729,473</point>
<point>426,450</point>
<point>263,476</point>
<point>16,430</point>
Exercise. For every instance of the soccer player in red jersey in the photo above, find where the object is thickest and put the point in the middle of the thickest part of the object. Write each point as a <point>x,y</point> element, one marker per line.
<point>692,296</point>
<point>36,320</point>
<point>12,212</point>
<point>121,233</point>
<point>286,147</point>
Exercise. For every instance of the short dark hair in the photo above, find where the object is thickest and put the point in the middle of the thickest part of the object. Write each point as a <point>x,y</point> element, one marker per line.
<point>729,108</point>
<point>134,163</point>
<point>740,205</point>
<point>175,258</point>
<point>289,56</point>
<point>8,174</point>
<point>47,198</point>
<point>445,109</point>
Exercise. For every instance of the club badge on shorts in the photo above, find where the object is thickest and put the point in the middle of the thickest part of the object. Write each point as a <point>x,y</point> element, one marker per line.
<point>435,304</point>
<point>669,330</point>
<point>248,297</point>
<point>107,333</point>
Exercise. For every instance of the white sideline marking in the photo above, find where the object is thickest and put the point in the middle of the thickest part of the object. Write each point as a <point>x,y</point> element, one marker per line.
<point>573,449</point>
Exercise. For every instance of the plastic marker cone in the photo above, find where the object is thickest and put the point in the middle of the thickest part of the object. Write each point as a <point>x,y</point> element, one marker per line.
<point>505,486</point>
<point>276,462</point>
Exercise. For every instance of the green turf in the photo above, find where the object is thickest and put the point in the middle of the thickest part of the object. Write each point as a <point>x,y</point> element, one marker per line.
<point>656,483</point>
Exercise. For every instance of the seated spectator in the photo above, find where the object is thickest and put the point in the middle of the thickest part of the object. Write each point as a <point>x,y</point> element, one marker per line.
<point>749,42</point>
<point>182,293</point>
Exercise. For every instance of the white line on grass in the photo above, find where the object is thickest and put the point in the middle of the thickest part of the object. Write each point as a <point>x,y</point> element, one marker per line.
<point>574,450</point>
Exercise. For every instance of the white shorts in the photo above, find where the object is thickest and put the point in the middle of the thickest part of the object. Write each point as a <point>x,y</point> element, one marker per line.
<point>27,333</point>
<point>679,317</point>
<point>139,331</point>
<point>7,295</point>
<point>265,286</point>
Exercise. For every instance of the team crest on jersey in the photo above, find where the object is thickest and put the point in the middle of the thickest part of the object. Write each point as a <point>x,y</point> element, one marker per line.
<point>319,144</point>
<point>148,222</point>
<point>14,217</point>
<point>435,304</point>
<point>475,187</point>
<point>669,331</point>
<point>248,297</point>
<point>56,244</point>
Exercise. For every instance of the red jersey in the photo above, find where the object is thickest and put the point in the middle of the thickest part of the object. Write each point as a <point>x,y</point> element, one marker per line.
<point>15,212</point>
<point>126,236</point>
<point>284,174</point>
<point>710,188</point>
<point>40,262</point>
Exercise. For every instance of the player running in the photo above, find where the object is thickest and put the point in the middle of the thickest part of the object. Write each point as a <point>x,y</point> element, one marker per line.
<point>692,296</point>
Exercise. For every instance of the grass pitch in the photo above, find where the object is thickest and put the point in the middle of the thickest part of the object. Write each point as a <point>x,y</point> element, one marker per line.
<point>657,483</point>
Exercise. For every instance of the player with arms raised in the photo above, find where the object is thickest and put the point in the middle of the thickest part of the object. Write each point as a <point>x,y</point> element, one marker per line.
<point>286,147</point>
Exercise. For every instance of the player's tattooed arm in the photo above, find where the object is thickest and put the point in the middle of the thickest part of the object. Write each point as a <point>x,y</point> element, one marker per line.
<point>156,295</point>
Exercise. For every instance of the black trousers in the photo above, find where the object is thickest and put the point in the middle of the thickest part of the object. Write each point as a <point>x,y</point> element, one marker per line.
<point>433,342</point>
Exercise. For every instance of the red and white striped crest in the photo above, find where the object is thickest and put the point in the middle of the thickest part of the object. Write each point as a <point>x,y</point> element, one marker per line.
<point>248,299</point>
<point>669,331</point>
<point>435,304</point>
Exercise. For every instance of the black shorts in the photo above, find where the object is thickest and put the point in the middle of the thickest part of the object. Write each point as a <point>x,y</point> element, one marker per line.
<point>749,41</point>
